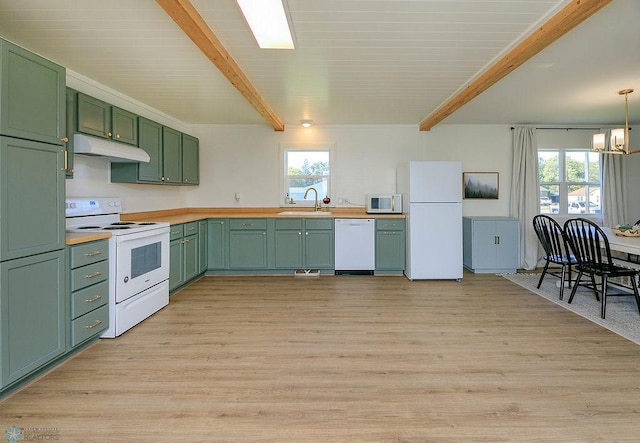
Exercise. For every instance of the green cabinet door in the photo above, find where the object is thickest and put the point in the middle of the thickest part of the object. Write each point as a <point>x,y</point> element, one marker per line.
<point>32,96</point>
<point>124,126</point>
<point>288,249</point>
<point>248,244</point>
<point>32,180</point>
<point>190,257</point>
<point>93,116</point>
<point>150,140</point>
<point>176,261</point>
<point>203,239</point>
<point>390,245</point>
<point>190,160</point>
<point>318,249</point>
<point>32,313</point>
<point>217,250</point>
<point>171,156</point>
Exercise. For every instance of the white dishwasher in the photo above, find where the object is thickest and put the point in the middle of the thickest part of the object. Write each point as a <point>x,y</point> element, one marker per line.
<point>355,245</point>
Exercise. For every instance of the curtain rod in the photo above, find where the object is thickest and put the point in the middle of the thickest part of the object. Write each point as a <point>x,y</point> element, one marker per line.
<point>569,129</point>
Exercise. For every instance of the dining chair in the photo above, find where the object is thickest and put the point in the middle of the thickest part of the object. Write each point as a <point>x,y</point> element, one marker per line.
<point>590,247</point>
<point>556,250</point>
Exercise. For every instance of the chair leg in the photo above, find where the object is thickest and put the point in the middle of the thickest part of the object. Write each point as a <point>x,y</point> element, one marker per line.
<point>595,287</point>
<point>544,271</point>
<point>635,291</point>
<point>562,282</point>
<point>575,286</point>
<point>604,297</point>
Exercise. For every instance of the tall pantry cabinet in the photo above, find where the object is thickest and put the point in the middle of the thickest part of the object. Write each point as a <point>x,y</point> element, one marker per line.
<point>32,231</point>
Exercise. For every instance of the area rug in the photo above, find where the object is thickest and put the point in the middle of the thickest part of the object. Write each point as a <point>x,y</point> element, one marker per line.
<point>622,312</point>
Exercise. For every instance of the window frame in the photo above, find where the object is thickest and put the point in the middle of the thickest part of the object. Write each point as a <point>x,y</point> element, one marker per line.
<point>284,176</point>
<point>564,185</point>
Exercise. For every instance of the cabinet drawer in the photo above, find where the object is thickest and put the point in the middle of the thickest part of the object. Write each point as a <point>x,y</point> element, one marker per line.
<point>90,298</point>
<point>88,253</point>
<point>190,228</point>
<point>89,275</point>
<point>389,225</point>
<point>176,232</point>
<point>248,223</point>
<point>89,325</point>
<point>289,223</point>
<point>323,223</point>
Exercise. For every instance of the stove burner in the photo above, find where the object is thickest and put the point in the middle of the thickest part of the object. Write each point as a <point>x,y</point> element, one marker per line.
<point>110,228</point>
<point>89,227</point>
<point>146,223</point>
<point>122,223</point>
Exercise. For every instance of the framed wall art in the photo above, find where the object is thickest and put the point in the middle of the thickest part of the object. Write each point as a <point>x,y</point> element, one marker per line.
<point>480,185</point>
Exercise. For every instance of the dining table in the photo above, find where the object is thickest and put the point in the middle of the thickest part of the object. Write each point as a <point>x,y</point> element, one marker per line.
<point>621,243</point>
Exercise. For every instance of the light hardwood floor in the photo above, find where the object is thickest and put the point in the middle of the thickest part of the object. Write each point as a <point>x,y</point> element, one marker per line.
<point>345,359</point>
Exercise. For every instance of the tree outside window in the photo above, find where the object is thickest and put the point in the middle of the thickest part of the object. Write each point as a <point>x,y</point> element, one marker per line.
<point>307,169</point>
<point>569,182</point>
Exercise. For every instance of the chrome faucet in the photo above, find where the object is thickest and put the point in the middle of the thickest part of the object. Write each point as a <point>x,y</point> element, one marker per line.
<point>316,206</point>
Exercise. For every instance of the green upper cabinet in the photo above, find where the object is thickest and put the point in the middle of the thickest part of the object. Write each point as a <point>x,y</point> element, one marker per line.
<point>32,96</point>
<point>171,156</point>
<point>100,119</point>
<point>190,160</point>
<point>71,129</point>
<point>32,180</point>
<point>149,139</point>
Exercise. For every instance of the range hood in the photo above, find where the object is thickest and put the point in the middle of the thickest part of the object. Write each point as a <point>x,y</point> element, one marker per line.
<point>114,151</point>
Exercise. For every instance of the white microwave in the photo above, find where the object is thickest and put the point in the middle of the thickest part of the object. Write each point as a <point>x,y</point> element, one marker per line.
<point>384,204</point>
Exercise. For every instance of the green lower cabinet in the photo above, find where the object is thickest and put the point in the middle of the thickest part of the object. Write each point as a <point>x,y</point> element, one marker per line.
<point>390,245</point>
<point>203,238</point>
<point>248,249</point>
<point>304,243</point>
<point>191,257</point>
<point>184,254</point>
<point>217,239</point>
<point>33,314</point>
<point>176,258</point>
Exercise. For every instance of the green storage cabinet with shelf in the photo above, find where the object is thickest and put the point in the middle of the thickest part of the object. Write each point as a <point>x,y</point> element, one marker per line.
<point>390,246</point>
<point>32,313</point>
<point>89,291</point>
<point>303,243</point>
<point>218,240</point>
<point>190,160</point>
<point>490,244</point>
<point>101,119</point>
<point>248,243</point>
<point>32,96</point>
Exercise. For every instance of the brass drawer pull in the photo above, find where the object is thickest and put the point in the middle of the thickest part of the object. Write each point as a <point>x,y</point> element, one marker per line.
<point>95,274</point>
<point>92,299</point>
<point>94,324</point>
<point>93,254</point>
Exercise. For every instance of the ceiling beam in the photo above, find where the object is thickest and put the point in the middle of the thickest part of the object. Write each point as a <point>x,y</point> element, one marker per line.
<point>569,17</point>
<point>192,23</point>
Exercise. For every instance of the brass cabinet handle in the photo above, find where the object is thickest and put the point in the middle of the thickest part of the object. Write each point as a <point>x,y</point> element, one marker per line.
<point>117,135</point>
<point>94,298</point>
<point>93,254</point>
<point>94,324</point>
<point>95,274</point>
<point>192,228</point>
<point>66,159</point>
<point>64,139</point>
<point>109,134</point>
<point>247,224</point>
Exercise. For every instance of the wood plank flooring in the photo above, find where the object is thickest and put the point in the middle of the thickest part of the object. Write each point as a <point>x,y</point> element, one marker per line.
<point>345,359</point>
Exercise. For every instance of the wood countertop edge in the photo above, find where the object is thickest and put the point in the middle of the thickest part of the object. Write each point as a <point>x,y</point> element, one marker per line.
<point>78,238</point>
<point>186,215</point>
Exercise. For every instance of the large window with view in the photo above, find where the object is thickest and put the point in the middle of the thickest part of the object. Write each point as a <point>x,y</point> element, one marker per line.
<point>569,182</point>
<point>306,169</point>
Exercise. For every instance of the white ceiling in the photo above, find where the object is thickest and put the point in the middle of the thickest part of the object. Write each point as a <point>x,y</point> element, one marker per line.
<point>355,62</point>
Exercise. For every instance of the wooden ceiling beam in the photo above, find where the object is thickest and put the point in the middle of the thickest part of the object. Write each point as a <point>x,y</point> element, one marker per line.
<point>568,18</point>
<point>192,23</point>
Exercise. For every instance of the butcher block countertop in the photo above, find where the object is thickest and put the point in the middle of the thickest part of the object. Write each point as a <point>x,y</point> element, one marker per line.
<point>185,215</point>
<point>75,238</point>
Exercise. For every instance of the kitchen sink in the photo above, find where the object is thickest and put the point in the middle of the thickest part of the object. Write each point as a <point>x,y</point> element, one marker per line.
<point>306,213</point>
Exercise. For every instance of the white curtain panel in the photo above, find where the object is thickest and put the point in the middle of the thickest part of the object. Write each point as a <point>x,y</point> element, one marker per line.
<point>525,192</point>
<point>614,210</point>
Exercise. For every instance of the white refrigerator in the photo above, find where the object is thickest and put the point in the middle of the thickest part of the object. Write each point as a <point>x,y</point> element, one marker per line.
<point>432,192</point>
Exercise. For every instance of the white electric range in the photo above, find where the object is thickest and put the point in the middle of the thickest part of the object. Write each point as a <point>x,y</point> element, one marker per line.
<point>138,260</point>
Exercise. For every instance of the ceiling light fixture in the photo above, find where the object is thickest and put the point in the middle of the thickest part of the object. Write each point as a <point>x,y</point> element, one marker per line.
<point>619,137</point>
<point>306,123</point>
<point>268,22</point>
